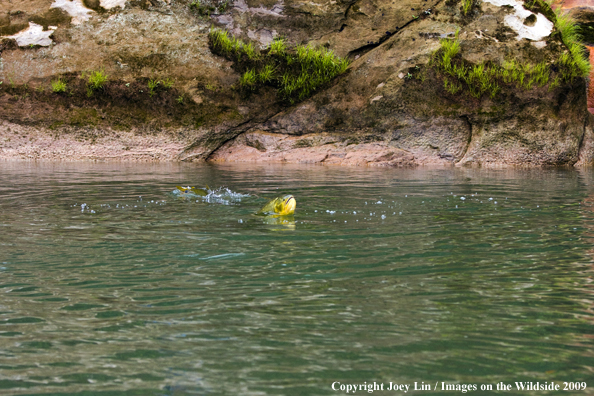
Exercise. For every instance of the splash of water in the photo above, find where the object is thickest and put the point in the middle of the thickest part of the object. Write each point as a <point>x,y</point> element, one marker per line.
<point>221,195</point>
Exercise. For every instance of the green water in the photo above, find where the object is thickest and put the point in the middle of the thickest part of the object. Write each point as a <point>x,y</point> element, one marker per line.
<point>388,275</point>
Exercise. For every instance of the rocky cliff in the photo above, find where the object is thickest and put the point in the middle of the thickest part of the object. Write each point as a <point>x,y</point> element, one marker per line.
<point>509,93</point>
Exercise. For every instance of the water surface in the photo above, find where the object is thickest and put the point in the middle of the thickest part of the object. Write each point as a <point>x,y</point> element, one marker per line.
<point>110,285</point>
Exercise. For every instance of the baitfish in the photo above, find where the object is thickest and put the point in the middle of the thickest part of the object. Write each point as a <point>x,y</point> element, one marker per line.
<point>281,206</point>
<point>190,191</point>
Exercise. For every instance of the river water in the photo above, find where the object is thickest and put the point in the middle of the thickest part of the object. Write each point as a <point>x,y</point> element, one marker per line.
<point>112,285</point>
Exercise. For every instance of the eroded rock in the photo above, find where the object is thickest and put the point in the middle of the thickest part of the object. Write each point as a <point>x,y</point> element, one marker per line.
<point>390,109</point>
<point>259,146</point>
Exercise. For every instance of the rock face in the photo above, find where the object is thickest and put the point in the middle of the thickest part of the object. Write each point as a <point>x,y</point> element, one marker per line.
<point>391,108</point>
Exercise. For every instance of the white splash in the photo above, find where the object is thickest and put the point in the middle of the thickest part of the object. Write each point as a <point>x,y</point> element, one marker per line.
<point>33,35</point>
<point>541,29</point>
<point>75,9</point>
<point>223,196</point>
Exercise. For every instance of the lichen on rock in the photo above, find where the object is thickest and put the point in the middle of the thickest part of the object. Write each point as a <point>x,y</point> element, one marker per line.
<point>537,28</point>
<point>75,8</point>
<point>33,35</point>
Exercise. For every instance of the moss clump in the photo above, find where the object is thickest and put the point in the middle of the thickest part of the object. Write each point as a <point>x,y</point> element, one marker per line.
<point>58,86</point>
<point>154,85</point>
<point>248,79</point>
<point>84,117</point>
<point>576,62</point>
<point>467,6</point>
<point>96,81</point>
<point>9,30</point>
<point>296,72</point>
<point>489,78</point>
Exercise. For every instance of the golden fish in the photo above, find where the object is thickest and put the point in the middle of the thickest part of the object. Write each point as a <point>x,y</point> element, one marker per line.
<point>191,191</point>
<point>281,206</point>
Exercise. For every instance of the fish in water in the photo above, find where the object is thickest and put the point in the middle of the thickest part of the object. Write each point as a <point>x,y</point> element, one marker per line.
<point>191,191</point>
<point>281,206</point>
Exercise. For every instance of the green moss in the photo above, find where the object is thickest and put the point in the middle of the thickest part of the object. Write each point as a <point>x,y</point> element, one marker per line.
<point>489,78</point>
<point>278,47</point>
<point>58,86</point>
<point>266,75</point>
<point>467,6</point>
<point>587,32</point>
<point>152,85</point>
<point>53,17</point>
<point>10,30</point>
<point>542,7</point>
<point>248,79</point>
<point>96,81</point>
<point>577,64</point>
<point>296,73</point>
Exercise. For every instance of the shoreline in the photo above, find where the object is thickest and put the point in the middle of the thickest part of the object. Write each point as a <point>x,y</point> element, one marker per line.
<point>27,143</point>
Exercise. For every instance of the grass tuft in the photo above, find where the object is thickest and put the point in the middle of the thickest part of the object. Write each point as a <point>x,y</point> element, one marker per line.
<point>152,86</point>
<point>488,78</point>
<point>296,72</point>
<point>267,74</point>
<point>97,79</point>
<point>577,63</point>
<point>58,86</point>
<point>278,47</point>
<point>248,79</point>
<point>467,6</point>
